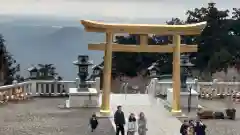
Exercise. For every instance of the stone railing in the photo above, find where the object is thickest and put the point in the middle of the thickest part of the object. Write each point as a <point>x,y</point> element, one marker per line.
<point>55,88</point>
<point>20,91</point>
<point>15,91</point>
<point>157,87</point>
<point>218,88</point>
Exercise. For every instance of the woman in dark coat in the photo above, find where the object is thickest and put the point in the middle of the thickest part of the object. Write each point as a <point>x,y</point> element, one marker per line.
<point>184,128</point>
<point>200,128</point>
<point>93,122</point>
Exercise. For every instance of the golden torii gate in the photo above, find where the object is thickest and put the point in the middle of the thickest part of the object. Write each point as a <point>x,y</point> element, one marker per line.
<point>143,30</point>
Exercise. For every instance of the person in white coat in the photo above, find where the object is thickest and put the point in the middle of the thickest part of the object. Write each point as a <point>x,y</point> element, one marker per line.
<point>132,125</point>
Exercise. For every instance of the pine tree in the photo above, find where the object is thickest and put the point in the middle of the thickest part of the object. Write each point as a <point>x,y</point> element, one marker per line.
<point>8,66</point>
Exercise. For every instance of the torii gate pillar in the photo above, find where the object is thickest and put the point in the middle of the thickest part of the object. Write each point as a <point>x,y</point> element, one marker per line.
<point>107,71</point>
<point>176,74</point>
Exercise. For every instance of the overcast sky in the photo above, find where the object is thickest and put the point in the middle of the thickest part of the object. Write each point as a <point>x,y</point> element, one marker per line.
<point>110,8</point>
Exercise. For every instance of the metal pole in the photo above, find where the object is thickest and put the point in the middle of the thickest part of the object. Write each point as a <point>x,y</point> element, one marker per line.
<point>125,90</point>
<point>190,99</point>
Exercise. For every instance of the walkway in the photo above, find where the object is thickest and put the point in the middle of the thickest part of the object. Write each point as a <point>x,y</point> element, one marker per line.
<point>43,117</point>
<point>160,122</point>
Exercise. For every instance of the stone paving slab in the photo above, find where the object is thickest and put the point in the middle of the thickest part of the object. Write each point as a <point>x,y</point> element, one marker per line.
<point>160,122</point>
<point>43,117</point>
<point>219,127</point>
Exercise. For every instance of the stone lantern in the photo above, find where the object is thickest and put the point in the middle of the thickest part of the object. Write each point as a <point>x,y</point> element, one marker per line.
<point>153,70</point>
<point>83,63</point>
<point>33,72</point>
<point>185,65</point>
<point>97,69</point>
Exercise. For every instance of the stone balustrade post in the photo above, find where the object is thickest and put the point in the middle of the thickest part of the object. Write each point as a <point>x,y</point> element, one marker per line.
<point>196,86</point>
<point>149,91</point>
<point>97,85</point>
<point>214,87</point>
<point>33,89</point>
<point>153,86</point>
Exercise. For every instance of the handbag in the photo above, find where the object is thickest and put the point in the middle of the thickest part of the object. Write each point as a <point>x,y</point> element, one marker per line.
<point>132,126</point>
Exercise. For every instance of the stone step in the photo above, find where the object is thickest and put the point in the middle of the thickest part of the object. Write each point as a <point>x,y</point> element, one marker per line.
<point>159,120</point>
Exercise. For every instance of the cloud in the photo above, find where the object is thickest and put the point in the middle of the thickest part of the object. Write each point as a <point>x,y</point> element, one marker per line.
<point>110,8</point>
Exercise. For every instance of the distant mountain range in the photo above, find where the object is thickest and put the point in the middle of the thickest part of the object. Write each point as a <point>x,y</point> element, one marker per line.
<point>53,40</point>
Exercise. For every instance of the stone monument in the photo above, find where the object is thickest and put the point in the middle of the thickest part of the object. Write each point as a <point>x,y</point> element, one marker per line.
<point>86,93</point>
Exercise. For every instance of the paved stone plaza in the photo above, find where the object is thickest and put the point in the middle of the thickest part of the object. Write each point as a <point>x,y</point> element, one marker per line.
<point>43,117</point>
<point>220,127</point>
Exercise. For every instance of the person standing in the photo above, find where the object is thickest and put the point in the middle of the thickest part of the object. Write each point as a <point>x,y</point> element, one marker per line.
<point>184,127</point>
<point>132,125</point>
<point>93,122</point>
<point>200,128</point>
<point>119,120</point>
<point>142,124</point>
<point>190,130</point>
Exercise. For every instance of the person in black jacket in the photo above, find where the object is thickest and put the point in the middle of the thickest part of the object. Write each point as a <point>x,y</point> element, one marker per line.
<point>184,127</point>
<point>200,128</point>
<point>119,120</point>
<point>93,122</point>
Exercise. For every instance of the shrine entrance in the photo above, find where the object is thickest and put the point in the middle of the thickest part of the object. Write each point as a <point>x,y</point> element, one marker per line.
<point>143,30</point>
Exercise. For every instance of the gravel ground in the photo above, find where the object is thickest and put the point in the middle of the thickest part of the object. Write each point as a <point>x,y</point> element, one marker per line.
<point>42,116</point>
<point>219,127</point>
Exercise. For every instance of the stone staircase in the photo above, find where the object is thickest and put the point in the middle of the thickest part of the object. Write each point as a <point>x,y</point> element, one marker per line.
<point>160,121</point>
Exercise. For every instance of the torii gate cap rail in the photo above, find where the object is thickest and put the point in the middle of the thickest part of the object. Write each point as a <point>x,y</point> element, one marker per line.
<point>188,29</point>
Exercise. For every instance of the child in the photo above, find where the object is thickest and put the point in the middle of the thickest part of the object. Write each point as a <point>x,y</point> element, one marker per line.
<point>132,125</point>
<point>93,122</point>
